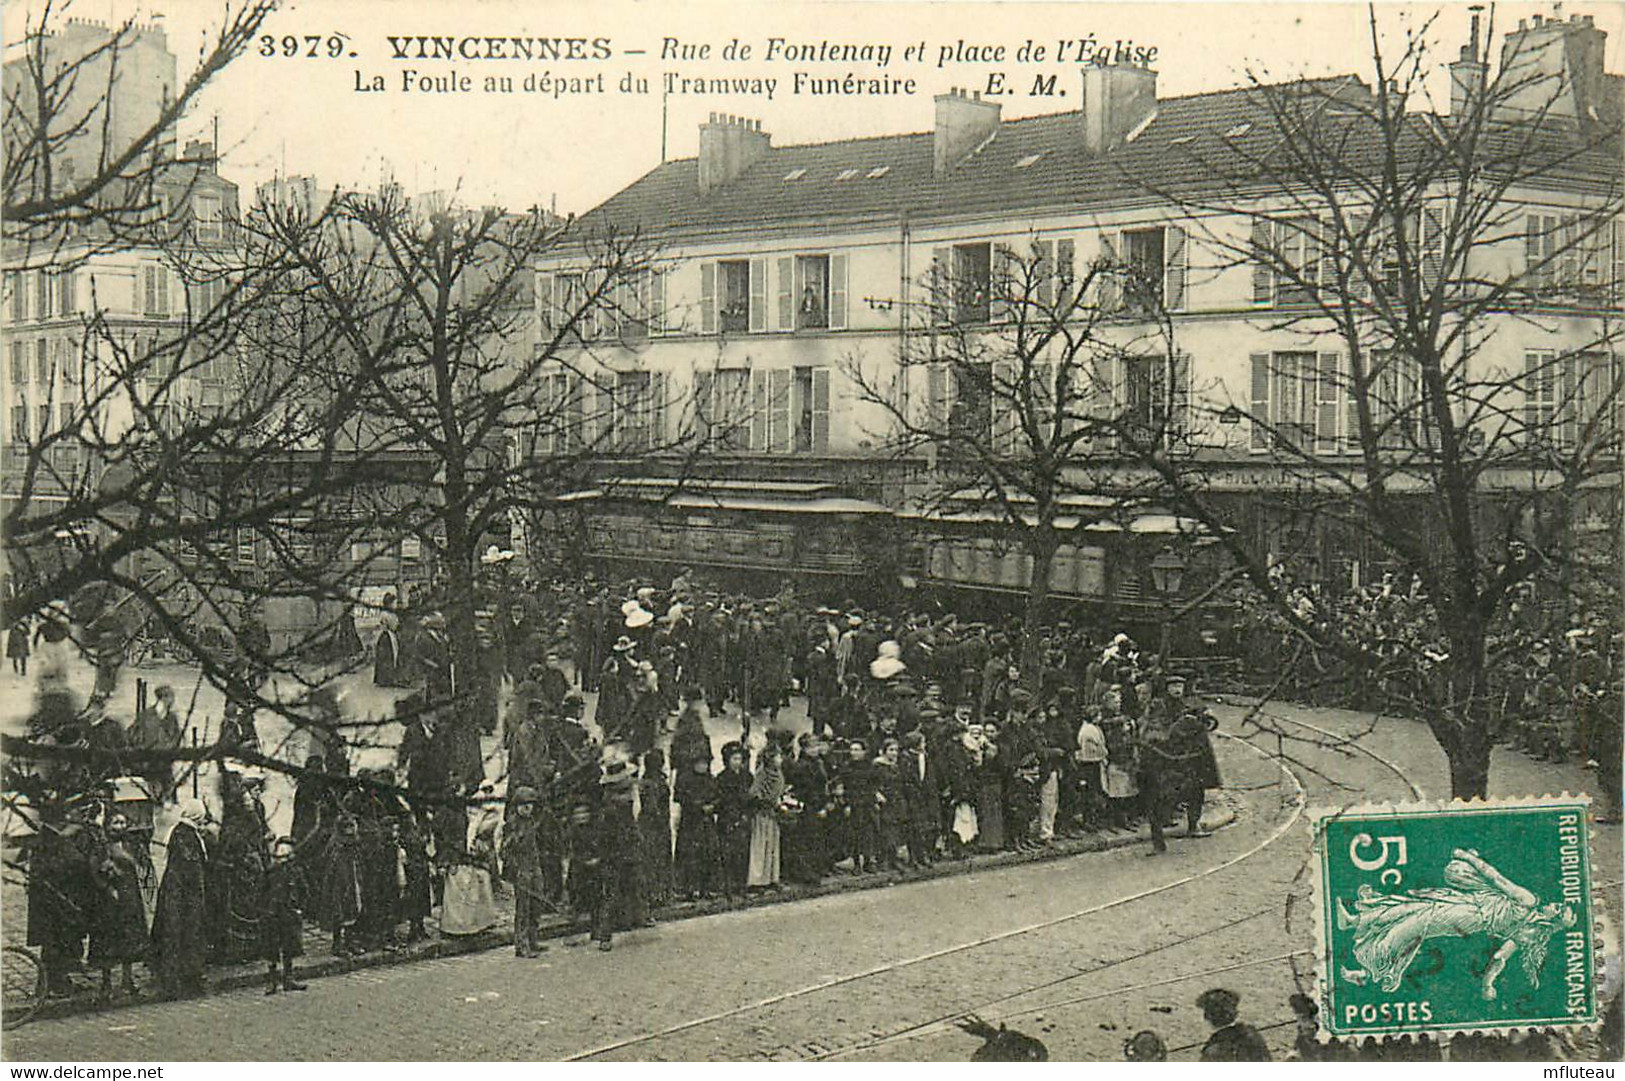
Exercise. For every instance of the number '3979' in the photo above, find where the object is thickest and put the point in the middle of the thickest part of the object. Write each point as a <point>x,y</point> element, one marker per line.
<point>330,46</point>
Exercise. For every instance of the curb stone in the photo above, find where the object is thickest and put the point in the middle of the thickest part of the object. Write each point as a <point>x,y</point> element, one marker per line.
<point>1226,804</point>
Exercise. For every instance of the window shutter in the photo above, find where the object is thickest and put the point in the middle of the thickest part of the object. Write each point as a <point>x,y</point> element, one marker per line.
<point>1616,278</point>
<point>1261,401</point>
<point>758,412</point>
<point>545,306</point>
<point>778,411</point>
<point>657,410</point>
<point>657,300</point>
<point>1001,286</point>
<point>1569,402</point>
<point>1066,274</point>
<point>1263,271</point>
<point>1351,399</point>
<point>788,291</point>
<point>1174,271</point>
<point>1179,421</point>
<point>1531,251</point>
<point>820,411</point>
<point>936,395</point>
<point>1326,405</point>
<point>837,292</point>
<point>1110,282</point>
<point>704,410</point>
<point>603,412</point>
<point>1358,277</point>
<point>1432,246</point>
<point>1044,274</point>
<point>758,295</point>
<point>44,287</point>
<point>1002,399</point>
<point>1531,394</point>
<point>708,298</point>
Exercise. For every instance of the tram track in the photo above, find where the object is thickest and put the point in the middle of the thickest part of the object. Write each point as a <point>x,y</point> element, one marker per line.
<point>872,1039</point>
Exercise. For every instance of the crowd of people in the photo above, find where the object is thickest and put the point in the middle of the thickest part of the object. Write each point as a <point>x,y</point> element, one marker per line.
<point>924,740</point>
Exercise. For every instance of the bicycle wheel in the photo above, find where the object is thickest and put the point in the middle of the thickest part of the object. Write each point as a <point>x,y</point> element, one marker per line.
<point>20,981</point>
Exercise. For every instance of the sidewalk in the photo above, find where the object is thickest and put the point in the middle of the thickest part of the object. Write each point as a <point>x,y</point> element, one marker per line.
<point>1225,810</point>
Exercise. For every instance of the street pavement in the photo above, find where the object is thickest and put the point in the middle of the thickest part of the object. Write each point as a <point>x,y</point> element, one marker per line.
<point>1081,952</point>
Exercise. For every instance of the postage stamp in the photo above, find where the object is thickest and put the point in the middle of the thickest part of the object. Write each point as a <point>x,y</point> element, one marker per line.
<point>1455,917</point>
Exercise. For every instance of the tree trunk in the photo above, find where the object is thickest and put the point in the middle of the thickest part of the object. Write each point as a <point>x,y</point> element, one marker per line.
<point>1469,759</point>
<point>466,756</point>
<point>1041,545</point>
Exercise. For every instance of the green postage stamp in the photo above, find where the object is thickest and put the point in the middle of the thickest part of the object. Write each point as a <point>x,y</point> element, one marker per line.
<point>1455,917</point>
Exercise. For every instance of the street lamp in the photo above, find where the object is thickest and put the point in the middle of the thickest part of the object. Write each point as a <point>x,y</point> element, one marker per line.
<point>1167,574</point>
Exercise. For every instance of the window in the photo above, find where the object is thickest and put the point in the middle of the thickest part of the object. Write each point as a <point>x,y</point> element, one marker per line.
<point>1569,397</point>
<point>208,217</point>
<point>722,402</point>
<point>795,174</point>
<point>42,362</point>
<point>846,174</point>
<point>560,428</point>
<point>19,296</point>
<point>1055,275</point>
<point>1150,270</point>
<point>44,286</point>
<point>19,423</point>
<point>19,363</point>
<point>1154,399</point>
<point>733,295</point>
<point>812,292</point>
<point>809,410</point>
<point>68,290</point>
<point>1027,161</point>
<point>1302,397</point>
<point>1573,257</point>
<point>970,284</point>
<point>877,172</point>
<point>155,291</point>
<point>65,418</point>
<point>639,411</point>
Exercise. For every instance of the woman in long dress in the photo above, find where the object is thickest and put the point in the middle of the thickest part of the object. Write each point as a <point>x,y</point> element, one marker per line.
<point>1389,929</point>
<point>654,827</point>
<point>765,793</point>
<point>119,934</point>
<point>180,929</point>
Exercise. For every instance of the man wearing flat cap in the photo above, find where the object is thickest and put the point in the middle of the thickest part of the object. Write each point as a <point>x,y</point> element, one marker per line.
<point>1232,1040</point>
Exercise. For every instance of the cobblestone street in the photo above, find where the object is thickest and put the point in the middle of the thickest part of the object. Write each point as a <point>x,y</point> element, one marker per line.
<point>1080,951</point>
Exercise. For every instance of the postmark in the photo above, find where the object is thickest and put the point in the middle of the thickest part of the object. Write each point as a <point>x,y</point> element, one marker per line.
<point>1455,917</point>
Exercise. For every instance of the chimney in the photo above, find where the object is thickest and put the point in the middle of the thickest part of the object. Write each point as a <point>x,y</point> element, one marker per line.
<point>200,154</point>
<point>964,123</point>
<point>1553,70</point>
<point>728,146</point>
<point>1467,73</point>
<point>1117,98</point>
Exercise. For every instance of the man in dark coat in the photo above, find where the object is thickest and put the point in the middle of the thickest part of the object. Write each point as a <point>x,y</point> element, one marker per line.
<point>522,866</point>
<point>282,916</point>
<point>733,819</point>
<point>1231,1041</point>
<point>180,925</point>
<point>157,728</point>
<point>922,796</point>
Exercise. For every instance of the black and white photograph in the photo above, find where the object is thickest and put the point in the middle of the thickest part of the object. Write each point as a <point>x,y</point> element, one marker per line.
<point>868,531</point>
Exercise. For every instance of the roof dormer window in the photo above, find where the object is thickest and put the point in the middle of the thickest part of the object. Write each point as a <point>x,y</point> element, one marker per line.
<point>846,174</point>
<point>878,171</point>
<point>795,174</point>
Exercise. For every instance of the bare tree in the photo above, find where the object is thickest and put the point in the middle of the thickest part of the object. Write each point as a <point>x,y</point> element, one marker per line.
<point>1405,254</point>
<point>1017,422</point>
<point>503,393</point>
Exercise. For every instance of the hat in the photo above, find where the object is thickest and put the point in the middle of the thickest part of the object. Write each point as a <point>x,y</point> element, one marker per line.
<point>524,794</point>
<point>854,620</point>
<point>1021,696</point>
<point>623,644</point>
<point>629,607</point>
<point>1218,1005</point>
<point>904,689</point>
<point>732,747</point>
<point>639,617</point>
<point>674,613</point>
<point>645,592</point>
<point>435,620</point>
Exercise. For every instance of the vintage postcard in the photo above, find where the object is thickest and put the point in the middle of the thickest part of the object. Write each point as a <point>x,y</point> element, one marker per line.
<point>815,531</point>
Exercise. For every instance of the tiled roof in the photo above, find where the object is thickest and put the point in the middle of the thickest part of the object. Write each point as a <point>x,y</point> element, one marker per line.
<point>895,174</point>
